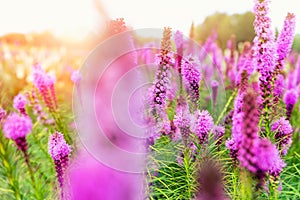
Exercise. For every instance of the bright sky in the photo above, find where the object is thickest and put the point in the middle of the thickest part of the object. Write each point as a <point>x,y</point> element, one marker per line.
<point>77,17</point>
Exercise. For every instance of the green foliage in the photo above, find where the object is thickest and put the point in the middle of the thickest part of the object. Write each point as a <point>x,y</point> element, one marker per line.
<point>240,25</point>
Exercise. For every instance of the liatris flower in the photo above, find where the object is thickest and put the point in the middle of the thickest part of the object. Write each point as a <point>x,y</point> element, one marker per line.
<point>237,117</point>
<point>214,86</point>
<point>210,181</point>
<point>285,38</point>
<point>257,155</point>
<point>203,125</point>
<point>59,151</point>
<point>182,120</point>
<point>16,127</point>
<point>191,76</point>
<point>264,53</point>
<point>283,136</point>
<point>297,78</point>
<point>164,61</point>
<point>218,132</point>
<point>2,114</point>
<point>290,99</point>
<point>76,76</point>
<point>45,84</point>
<point>20,103</point>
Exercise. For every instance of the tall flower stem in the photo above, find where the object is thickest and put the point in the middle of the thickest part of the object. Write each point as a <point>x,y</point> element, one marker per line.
<point>31,174</point>
<point>231,98</point>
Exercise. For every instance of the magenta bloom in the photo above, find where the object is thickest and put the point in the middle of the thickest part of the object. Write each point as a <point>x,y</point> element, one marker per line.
<point>290,99</point>
<point>45,84</point>
<point>286,37</point>
<point>284,133</point>
<point>59,151</point>
<point>203,125</point>
<point>16,127</point>
<point>20,103</point>
<point>191,76</point>
<point>264,51</point>
<point>257,155</point>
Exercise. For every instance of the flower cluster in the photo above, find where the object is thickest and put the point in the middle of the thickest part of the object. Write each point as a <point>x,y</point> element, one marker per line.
<point>59,151</point>
<point>283,136</point>
<point>290,99</point>
<point>203,125</point>
<point>16,127</point>
<point>45,84</point>
<point>191,76</point>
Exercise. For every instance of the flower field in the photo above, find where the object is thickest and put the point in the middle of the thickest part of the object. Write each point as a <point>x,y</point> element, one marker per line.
<point>160,117</point>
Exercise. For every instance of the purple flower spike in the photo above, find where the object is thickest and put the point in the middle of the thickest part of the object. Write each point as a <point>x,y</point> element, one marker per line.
<point>290,99</point>
<point>59,151</point>
<point>286,37</point>
<point>203,125</point>
<point>284,133</point>
<point>191,76</point>
<point>16,127</point>
<point>264,53</point>
<point>20,103</point>
<point>164,62</point>
<point>45,84</point>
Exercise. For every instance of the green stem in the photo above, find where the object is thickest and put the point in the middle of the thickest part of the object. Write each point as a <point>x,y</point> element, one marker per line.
<point>226,106</point>
<point>26,156</point>
<point>187,171</point>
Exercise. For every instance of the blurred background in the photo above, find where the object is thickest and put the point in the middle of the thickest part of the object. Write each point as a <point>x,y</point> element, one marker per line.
<point>60,34</point>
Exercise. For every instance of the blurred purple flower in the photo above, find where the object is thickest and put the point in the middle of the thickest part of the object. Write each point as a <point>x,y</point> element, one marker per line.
<point>284,133</point>
<point>218,132</point>
<point>76,76</point>
<point>90,179</point>
<point>214,86</point>
<point>2,114</point>
<point>278,88</point>
<point>290,99</point>
<point>286,37</point>
<point>19,103</point>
